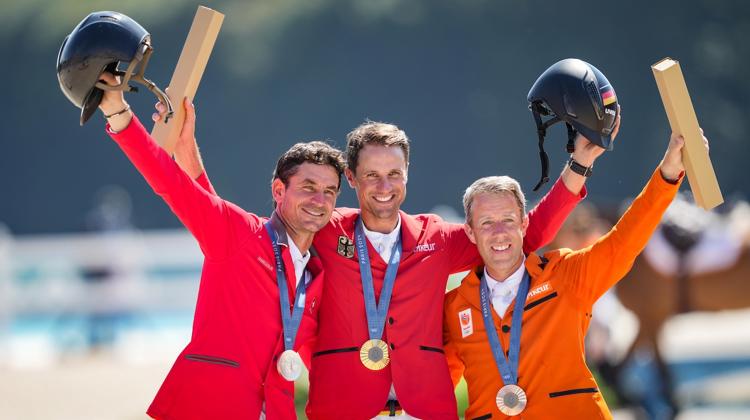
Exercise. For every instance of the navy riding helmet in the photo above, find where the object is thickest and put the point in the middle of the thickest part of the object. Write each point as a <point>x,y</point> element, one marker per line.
<point>100,43</point>
<point>577,93</point>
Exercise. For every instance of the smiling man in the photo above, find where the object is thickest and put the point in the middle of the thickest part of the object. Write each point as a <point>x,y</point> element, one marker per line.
<point>379,350</point>
<point>261,281</point>
<point>515,327</point>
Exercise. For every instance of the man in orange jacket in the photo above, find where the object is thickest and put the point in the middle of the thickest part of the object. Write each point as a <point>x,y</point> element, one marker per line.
<point>540,373</point>
<point>409,378</point>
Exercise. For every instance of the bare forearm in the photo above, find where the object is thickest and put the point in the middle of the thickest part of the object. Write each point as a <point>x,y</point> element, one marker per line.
<point>190,160</point>
<point>574,182</point>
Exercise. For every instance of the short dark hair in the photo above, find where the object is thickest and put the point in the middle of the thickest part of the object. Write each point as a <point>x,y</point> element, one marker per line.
<point>317,152</point>
<point>377,133</point>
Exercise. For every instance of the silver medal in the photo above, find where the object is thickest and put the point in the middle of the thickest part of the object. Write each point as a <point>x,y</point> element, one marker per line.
<point>289,365</point>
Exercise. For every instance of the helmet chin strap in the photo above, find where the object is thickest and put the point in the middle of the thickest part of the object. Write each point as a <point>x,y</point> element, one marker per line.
<point>141,57</point>
<point>537,109</point>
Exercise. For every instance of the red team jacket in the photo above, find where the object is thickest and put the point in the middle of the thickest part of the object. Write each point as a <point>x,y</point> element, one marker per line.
<point>340,386</point>
<point>229,367</point>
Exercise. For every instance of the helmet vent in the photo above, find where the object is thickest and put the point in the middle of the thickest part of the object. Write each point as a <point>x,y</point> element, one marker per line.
<point>596,98</point>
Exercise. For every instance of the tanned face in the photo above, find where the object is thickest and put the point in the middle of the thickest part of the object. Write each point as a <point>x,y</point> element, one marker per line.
<point>497,228</point>
<point>307,201</point>
<point>380,182</point>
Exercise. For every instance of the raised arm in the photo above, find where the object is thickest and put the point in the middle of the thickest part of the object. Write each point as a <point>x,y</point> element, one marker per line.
<point>548,216</point>
<point>186,153</point>
<point>545,219</point>
<point>218,226</point>
<point>597,268</point>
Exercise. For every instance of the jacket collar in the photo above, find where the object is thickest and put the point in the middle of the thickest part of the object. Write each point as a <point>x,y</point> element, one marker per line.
<point>411,231</point>
<point>280,229</point>
<point>469,288</point>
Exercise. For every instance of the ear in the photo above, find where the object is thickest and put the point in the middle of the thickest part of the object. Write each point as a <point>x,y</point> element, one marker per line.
<point>470,233</point>
<point>525,224</point>
<point>278,189</point>
<point>349,177</point>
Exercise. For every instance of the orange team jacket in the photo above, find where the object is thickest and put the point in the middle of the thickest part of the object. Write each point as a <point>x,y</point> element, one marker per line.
<point>340,386</point>
<point>564,286</point>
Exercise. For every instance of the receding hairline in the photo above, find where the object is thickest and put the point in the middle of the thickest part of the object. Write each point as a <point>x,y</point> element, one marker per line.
<point>493,185</point>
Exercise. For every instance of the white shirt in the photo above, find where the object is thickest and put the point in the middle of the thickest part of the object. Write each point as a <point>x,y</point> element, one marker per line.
<point>383,243</point>
<point>299,260</point>
<point>503,292</point>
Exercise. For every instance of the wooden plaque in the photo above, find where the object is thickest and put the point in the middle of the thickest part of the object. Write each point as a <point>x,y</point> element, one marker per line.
<point>188,72</point>
<point>682,119</point>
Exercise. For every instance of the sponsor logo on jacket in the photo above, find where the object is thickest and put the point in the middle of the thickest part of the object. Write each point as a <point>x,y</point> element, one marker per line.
<point>424,247</point>
<point>542,288</point>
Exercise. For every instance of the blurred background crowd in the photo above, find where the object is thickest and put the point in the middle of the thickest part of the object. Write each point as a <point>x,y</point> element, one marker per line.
<point>98,279</point>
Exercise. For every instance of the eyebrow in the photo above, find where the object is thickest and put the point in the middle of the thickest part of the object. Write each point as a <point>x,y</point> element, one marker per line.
<point>308,181</point>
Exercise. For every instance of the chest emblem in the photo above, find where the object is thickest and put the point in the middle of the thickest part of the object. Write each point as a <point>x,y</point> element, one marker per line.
<point>345,247</point>
<point>467,324</point>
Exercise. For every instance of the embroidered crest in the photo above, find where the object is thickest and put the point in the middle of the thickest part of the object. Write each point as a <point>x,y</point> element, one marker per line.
<point>345,247</point>
<point>467,325</point>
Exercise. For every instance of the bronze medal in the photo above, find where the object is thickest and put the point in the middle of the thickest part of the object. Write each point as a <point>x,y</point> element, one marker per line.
<point>511,400</point>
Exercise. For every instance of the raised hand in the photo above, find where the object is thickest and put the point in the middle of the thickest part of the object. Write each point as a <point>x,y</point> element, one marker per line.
<point>113,105</point>
<point>672,164</point>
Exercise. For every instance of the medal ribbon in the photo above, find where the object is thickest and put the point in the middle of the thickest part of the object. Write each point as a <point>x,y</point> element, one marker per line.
<point>508,368</point>
<point>289,321</point>
<point>376,313</point>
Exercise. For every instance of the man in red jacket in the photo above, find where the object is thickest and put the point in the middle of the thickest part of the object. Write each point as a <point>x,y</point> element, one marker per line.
<point>379,349</point>
<point>262,279</point>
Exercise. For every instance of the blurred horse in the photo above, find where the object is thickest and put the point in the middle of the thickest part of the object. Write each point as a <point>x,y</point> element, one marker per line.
<point>695,261</point>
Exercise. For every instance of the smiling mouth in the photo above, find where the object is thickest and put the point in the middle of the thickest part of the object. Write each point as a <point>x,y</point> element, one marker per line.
<point>500,248</point>
<point>313,213</point>
<point>383,199</point>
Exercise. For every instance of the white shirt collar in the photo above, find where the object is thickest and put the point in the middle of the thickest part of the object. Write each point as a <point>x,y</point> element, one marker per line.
<point>299,260</point>
<point>383,242</point>
<point>509,287</point>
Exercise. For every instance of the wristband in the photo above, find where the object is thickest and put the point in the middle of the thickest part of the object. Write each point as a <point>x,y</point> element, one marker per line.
<point>126,109</point>
<point>580,169</point>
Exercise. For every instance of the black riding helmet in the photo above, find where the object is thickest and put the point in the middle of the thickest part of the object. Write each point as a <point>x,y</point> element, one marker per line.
<point>100,43</point>
<point>577,93</point>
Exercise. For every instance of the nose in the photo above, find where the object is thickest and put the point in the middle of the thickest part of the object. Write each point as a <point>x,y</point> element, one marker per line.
<point>318,198</point>
<point>498,228</point>
<point>384,184</point>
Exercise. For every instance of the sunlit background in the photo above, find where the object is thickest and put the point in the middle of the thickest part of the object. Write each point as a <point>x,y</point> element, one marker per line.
<point>98,279</point>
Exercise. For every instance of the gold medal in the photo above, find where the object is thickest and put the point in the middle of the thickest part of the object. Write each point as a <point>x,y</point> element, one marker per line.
<point>374,354</point>
<point>289,365</point>
<point>511,400</point>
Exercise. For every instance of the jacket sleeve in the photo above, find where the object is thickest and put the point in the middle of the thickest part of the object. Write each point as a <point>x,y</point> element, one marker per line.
<point>204,182</point>
<point>462,253</point>
<point>546,218</point>
<point>219,226</point>
<point>591,271</point>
